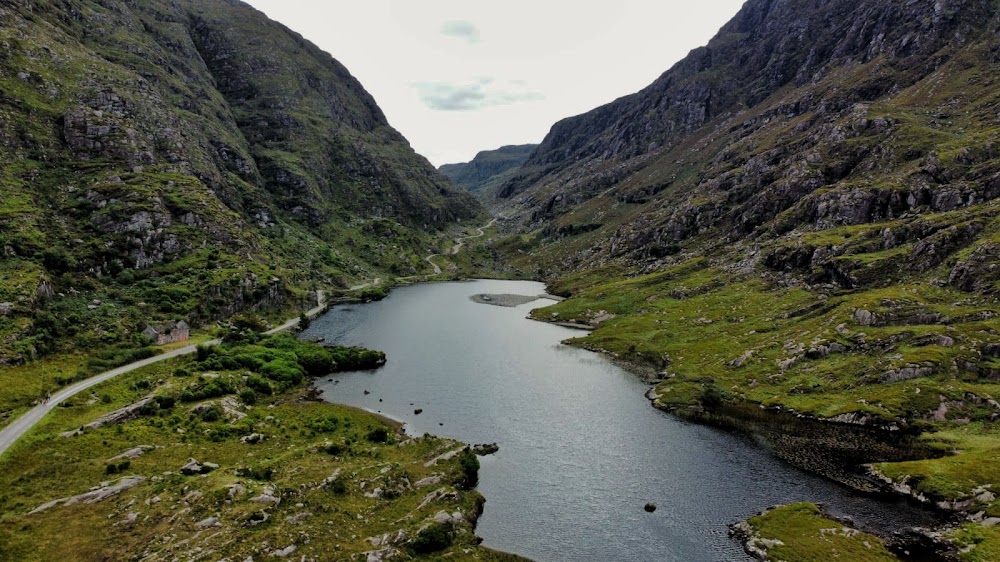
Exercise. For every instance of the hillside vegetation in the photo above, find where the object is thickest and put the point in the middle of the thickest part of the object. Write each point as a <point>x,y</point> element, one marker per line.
<point>240,461</point>
<point>190,159</point>
<point>800,216</point>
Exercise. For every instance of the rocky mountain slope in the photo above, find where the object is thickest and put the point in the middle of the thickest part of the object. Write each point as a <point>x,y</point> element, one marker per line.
<point>189,159</point>
<point>800,216</point>
<point>489,169</point>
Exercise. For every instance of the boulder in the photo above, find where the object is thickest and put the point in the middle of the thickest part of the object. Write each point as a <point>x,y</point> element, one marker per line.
<point>208,523</point>
<point>193,467</point>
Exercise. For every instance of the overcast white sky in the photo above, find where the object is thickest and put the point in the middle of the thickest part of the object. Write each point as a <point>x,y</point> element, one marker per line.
<point>459,76</point>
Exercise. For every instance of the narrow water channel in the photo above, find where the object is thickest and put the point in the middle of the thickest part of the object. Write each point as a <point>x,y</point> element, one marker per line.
<point>581,449</point>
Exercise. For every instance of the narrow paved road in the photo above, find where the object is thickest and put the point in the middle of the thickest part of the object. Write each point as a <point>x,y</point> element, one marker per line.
<point>459,242</point>
<point>10,434</point>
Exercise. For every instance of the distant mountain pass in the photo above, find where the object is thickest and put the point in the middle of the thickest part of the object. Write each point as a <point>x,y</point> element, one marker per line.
<point>489,169</point>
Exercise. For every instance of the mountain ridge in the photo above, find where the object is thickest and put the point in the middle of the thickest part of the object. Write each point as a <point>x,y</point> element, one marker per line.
<point>801,219</point>
<point>197,146</point>
<point>489,169</point>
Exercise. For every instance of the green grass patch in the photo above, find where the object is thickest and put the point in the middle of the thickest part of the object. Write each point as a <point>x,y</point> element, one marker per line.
<point>804,534</point>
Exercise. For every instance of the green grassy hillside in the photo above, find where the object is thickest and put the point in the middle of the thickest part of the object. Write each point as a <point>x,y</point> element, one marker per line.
<point>165,160</point>
<point>798,226</point>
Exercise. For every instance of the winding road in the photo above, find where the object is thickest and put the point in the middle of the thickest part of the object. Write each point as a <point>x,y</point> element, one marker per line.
<point>10,434</point>
<point>459,242</point>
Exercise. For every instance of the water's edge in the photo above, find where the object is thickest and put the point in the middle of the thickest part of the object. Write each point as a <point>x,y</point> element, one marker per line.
<point>766,432</point>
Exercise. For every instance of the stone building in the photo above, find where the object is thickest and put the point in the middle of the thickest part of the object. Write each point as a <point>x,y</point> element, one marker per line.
<point>167,332</point>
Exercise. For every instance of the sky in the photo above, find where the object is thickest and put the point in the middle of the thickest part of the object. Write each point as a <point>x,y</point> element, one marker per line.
<point>459,76</point>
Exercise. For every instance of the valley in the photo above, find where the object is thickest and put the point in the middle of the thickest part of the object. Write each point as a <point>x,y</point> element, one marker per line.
<point>768,327</point>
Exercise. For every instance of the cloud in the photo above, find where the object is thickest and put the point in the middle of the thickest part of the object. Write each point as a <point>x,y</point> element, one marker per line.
<point>447,96</point>
<point>461,29</point>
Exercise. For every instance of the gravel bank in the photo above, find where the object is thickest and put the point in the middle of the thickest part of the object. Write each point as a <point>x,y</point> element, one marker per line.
<point>504,300</point>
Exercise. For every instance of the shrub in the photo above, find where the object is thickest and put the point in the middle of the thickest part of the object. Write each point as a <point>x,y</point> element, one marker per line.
<point>324,424</point>
<point>249,361</point>
<point>211,414</point>
<point>335,449</point>
<point>165,401</point>
<point>338,486</point>
<point>116,468</point>
<point>260,384</point>
<point>203,352</point>
<point>380,435</point>
<point>248,396</point>
<point>264,474</point>
<point>249,322</point>
<point>316,361</point>
<point>283,371</point>
<point>711,398</point>
<point>433,538</point>
<point>468,477</point>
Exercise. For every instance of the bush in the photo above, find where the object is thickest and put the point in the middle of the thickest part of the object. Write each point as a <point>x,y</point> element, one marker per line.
<point>249,322</point>
<point>203,352</point>
<point>711,398</point>
<point>116,468</point>
<point>316,361</point>
<point>264,474</point>
<point>259,384</point>
<point>335,449</point>
<point>338,486</point>
<point>249,361</point>
<point>380,435</point>
<point>324,424</point>
<point>283,371</point>
<point>248,396</point>
<point>211,414</point>
<point>469,465</point>
<point>433,538</point>
<point>58,260</point>
<point>203,391</point>
<point>165,401</point>
<point>356,358</point>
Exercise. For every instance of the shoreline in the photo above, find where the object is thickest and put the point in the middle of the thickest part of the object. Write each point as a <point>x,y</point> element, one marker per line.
<point>814,434</point>
<point>734,417</point>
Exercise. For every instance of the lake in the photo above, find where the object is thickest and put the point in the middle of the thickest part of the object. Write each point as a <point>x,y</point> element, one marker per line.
<point>581,449</point>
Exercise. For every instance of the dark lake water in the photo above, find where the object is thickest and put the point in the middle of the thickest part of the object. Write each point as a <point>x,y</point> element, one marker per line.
<point>581,449</point>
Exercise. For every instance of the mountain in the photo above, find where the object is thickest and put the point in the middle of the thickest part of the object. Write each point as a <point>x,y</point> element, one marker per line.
<point>489,169</point>
<point>800,216</point>
<point>166,159</point>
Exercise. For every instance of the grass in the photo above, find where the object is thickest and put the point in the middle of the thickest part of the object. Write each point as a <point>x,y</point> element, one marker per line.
<point>955,477</point>
<point>804,534</point>
<point>977,543</point>
<point>295,461</point>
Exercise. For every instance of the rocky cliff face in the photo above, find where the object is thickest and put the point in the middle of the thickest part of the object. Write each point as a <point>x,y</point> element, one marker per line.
<point>199,141</point>
<point>798,116</point>
<point>820,173</point>
<point>489,169</point>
